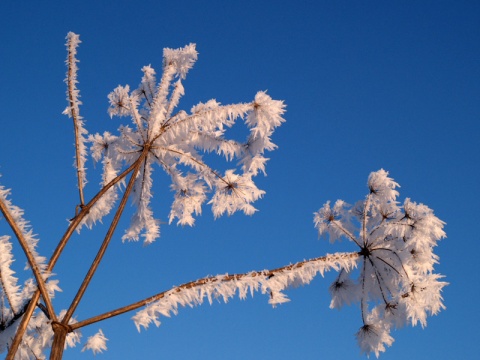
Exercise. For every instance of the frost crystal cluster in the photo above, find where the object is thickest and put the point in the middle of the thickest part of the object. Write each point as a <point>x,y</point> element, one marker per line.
<point>391,274</point>
<point>396,284</point>
<point>175,141</point>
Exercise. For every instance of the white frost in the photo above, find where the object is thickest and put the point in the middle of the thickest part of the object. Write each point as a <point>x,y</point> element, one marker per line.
<point>97,343</point>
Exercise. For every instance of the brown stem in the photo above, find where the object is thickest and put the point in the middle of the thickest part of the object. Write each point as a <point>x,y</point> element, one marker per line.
<point>203,281</point>
<point>60,332</point>
<point>196,161</point>
<point>106,242</point>
<point>28,311</point>
<point>31,260</point>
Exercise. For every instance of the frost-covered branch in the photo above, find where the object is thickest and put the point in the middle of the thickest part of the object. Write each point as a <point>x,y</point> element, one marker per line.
<point>104,245</point>
<point>176,142</point>
<point>271,282</point>
<point>61,329</point>
<point>20,227</point>
<point>28,311</point>
<point>73,111</point>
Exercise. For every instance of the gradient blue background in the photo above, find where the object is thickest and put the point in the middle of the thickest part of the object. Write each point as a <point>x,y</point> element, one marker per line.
<point>369,85</point>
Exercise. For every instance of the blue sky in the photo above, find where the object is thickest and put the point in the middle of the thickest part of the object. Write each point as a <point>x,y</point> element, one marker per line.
<point>368,85</point>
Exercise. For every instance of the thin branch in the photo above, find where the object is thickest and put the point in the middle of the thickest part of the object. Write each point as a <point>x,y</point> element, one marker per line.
<point>201,163</point>
<point>379,278</point>
<point>106,242</point>
<point>218,140</point>
<point>28,311</point>
<point>364,224</point>
<point>347,233</point>
<point>362,300</point>
<point>72,99</point>
<point>203,281</point>
<point>175,94</point>
<point>142,189</point>
<point>398,257</point>
<point>170,121</point>
<point>31,260</point>
<point>161,97</point>
<point>135,115</point>
<point>389,223</point>
<point>388,264</point>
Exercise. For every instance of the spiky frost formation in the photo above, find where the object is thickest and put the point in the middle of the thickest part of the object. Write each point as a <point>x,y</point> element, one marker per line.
<point>73,108</point>
<point>96,343</point>
<point>25,229</point>
<point>397,284</point>
<point>176,141</point>
<point>9,290</point>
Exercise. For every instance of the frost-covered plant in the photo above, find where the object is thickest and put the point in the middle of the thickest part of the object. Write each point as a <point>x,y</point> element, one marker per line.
<point>396,283</point>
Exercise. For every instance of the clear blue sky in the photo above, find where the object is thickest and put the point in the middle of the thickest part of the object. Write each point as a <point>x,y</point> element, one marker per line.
<point>368,85</point>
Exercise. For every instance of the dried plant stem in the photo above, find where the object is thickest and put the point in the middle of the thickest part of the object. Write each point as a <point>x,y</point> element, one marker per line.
<point>31,260</point>
<point>71,102</point>
<point>203,281</point>
<point>364,223</point>
<point>61,329</point>
<point>28,311</point>
<point>106,242</point>
<point>59,337</point>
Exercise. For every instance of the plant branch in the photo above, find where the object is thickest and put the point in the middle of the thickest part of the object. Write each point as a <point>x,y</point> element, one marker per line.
<point>72,100</point>
<point>170,122</point>
<point>364,225</point>
<point>28,311</point>
<point>136,117</point>
<point>347,233</point>
<point>106,241</point>
<point>31,260</point>
<point>201,163</point>
<point>211,279</point>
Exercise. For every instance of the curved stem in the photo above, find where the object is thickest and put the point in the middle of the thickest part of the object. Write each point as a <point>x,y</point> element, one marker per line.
<point>212,279</point>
